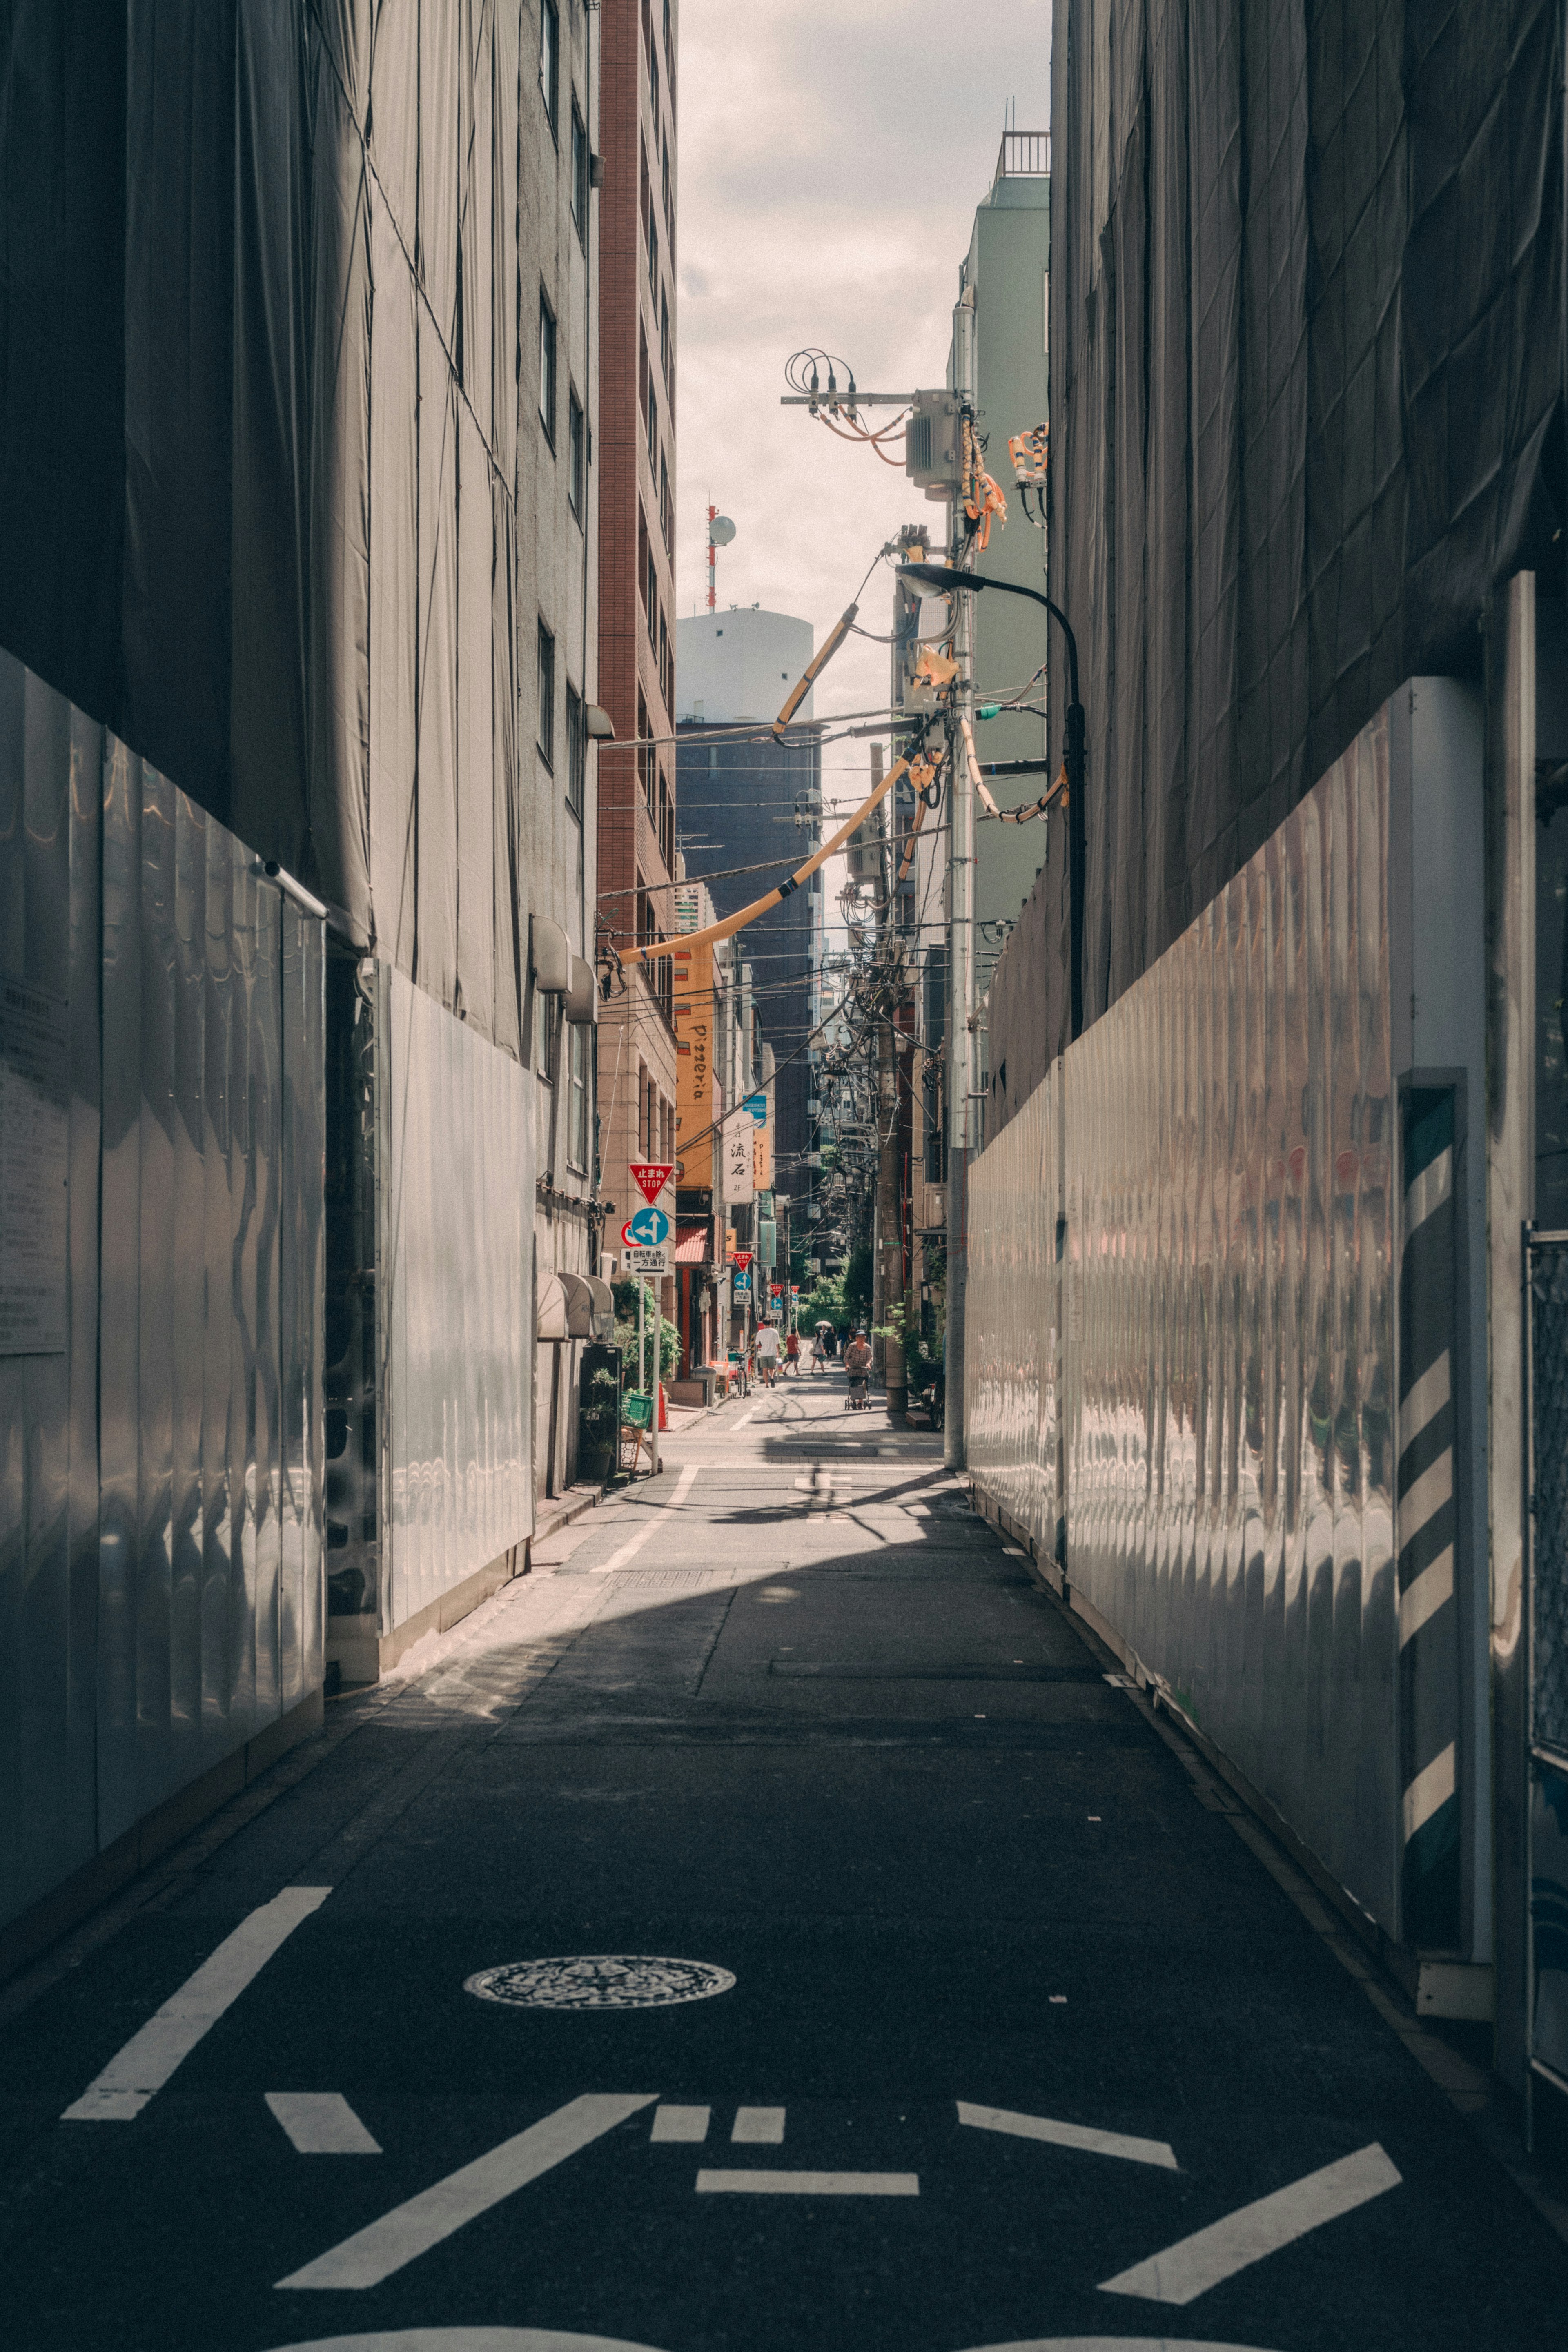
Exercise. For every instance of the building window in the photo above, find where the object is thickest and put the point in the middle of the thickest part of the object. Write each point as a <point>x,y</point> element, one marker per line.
<point>664,352</point>
<point>546,1030</point>
<point>580,176</point>
<point>652,423</point>
<point>549,58</point>
<point>547,368</point>
<point>577,1096</point>
<point>645,569</point>
<point>546,696</point>
<point>576,751</point>
<point>576,454</point>
<point>653,252</point>
<point>668,199</point>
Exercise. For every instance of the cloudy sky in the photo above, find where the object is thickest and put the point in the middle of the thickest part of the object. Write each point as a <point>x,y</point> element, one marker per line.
<point>831,158</point>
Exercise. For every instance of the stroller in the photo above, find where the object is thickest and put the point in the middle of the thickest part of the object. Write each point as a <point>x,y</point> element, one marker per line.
<point>857,1371</point>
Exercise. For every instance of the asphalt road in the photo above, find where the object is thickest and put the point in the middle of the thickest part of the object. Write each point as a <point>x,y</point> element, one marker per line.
<point>1015,2039</point>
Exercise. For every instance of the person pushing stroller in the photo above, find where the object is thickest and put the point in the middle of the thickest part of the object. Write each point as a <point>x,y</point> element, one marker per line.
<point>858,1367</point>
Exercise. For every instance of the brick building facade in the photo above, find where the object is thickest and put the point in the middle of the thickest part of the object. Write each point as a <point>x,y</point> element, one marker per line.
<point>637,1080</point>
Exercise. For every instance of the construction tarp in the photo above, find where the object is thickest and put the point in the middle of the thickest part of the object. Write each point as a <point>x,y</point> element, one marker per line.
<point>1306,331</point>
<point>258,490</point>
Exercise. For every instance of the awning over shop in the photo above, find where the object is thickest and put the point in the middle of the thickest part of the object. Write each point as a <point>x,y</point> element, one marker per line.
<point>590,1308</point>
<point>574,1306</point>
<point>692,1244</point>
<point>549,1314</point>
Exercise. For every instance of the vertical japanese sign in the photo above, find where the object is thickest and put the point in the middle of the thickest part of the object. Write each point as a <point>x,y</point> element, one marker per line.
<point>739,1183</point>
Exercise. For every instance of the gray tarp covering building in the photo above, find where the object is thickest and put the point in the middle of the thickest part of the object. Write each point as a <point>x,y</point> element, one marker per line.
<point>262,308</point>
<point>293,310</point>
<point>1306,319</point>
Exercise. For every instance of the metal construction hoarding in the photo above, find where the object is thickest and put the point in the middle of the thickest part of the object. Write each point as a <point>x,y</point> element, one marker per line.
<point>1183,1365</point>
<point>161,1473</point>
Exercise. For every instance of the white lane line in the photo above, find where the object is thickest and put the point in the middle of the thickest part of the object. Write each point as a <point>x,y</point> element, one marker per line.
<point>136,2072</point>
<point>759,2126</point>
<point>1189,2268</point>
<point>683,2124</point>
<point>651,1525</point>
<point>1076,2135</point>
<point>321,2123</point>
<point>809,2184</point>
<point>735,1426</point>
<point>410,2230</point>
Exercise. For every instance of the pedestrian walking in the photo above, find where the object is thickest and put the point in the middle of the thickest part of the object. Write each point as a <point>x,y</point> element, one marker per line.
<point>768,1352</point>
<point>791,1354</point>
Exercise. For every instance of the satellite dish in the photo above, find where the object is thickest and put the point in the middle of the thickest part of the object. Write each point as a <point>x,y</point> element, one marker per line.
<point>721,532</point>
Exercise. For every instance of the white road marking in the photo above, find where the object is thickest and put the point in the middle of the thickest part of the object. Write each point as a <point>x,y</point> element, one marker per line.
<point>809,2184</point>
<point>686,2124</point>
<point>650,1526</point>
<point>410,2230</point>
<point>321,2123</point>
<point>1075,2135</point>
<point>136,2072</point>
<point>1182,2272</point>
<point>759,2126</point>
<point>735,1426</point>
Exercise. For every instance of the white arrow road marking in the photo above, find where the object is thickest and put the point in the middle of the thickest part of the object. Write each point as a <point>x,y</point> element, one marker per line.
<point>1189,2268</point>
<point>321,2123</point>
<point>684,2124</point>
<point>150,2056</point>
<point>759,2126</point>
<point>1091,2143</point>
<point>650,1525</point>
<point>373,2254</point>
<point>810,2184</point>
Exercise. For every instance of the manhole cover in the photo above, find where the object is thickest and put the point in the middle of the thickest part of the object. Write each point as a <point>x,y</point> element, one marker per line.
<point>600,1980</point>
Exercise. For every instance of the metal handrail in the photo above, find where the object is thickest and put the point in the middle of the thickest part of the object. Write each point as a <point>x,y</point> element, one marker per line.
<point>1024,155</point>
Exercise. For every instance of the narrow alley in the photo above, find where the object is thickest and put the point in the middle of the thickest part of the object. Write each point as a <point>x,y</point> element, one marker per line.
<point>773,1922</point>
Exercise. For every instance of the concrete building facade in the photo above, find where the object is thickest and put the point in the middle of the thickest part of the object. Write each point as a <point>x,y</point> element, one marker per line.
<point>1000,336</point>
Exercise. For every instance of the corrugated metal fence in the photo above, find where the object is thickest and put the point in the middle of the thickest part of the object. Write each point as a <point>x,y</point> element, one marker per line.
<point>143,1641</point>
<point>1214,1354</point>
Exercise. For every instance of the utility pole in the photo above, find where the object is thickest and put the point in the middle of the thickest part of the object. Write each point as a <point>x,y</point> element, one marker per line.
<point>889,1250</point>
<point>961,960</point>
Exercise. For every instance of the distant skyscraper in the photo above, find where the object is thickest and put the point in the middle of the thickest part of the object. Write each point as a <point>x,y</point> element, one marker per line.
<point>756,804</point>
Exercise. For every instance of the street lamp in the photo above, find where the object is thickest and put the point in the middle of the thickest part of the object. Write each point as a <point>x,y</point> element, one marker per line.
<point>945,579</point>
